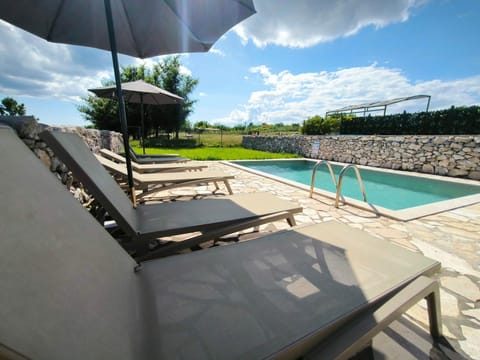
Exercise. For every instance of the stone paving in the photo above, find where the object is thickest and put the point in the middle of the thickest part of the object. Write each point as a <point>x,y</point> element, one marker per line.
<point>452,237</point>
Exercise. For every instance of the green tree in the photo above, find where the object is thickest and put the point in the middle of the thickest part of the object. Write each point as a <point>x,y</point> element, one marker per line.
<point>319,126</point>
<point>168,74</point>
<point>202,125</point>
<point>165,74</point>
<point>102,113</point>
<point>11,107</point>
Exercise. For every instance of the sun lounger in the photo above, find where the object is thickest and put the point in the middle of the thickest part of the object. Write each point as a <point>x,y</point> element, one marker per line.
<point>156,158</point>
<point>212,217</point>
<point>154,182</point>
<point>149,168</point>
<point>68,291</point>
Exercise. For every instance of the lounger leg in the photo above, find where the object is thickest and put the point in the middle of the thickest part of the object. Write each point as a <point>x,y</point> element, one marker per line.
<point>434,314</point>
<point>291,221</point>
<point>227,185</point>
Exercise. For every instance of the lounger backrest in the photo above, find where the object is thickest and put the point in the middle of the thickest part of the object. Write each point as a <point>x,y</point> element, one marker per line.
<point>72,150</point>
<point>119,169</point>
<point>112,155</point>
<point>66,286</point>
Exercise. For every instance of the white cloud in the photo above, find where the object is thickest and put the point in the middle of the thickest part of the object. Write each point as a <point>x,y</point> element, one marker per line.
<point>217,52</point>
<point>202,94</point>
<point>31,66</point>
<point>304,23</point>
<point>292,98</point>
<point>184,70</point>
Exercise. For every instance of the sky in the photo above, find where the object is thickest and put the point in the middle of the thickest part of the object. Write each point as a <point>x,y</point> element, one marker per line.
<point>290,61</point>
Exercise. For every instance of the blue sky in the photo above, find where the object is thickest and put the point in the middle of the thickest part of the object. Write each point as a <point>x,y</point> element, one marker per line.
<point>290,61</point>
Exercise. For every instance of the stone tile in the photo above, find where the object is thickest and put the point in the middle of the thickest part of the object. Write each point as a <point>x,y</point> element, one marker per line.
<point>449,305</point>
<point>447,260</point>
<point>471,344</point>
<point>463,286</point>
<point>302,219</point>
<point>474,313</point>
<point>419,314</point>
<point>358,219</point>
<point>466,234</point>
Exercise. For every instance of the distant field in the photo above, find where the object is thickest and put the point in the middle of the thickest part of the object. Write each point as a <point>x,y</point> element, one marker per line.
<point>215,139</point>
<point>209,146</point>
<point>217,153</point>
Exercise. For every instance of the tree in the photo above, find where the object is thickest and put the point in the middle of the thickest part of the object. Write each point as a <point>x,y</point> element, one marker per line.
<point>168,74</point>
<point>10,107</point>
<point>320,126</point>
<point>102,113</point>
<point>170,118</point>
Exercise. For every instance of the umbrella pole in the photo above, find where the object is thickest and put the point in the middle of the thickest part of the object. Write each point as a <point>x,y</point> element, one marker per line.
<point>142,123</point>
<point>121,103</point>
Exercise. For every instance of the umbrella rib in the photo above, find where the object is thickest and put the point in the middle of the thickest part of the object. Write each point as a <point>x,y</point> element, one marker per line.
<point>52,25</point>
<point>252,9</point>
<point>140,55</point>
<point>207,47</point>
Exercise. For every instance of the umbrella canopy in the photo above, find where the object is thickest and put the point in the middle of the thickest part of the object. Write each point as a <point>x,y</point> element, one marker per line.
<point>140,28</point>
<point>140,92</point>
<point>143,28</point>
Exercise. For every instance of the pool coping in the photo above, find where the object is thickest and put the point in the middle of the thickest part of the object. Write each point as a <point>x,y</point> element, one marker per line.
<point>402,215</point>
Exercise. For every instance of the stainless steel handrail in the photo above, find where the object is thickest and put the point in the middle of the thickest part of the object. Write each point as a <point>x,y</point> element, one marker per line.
<point>312,184</point>
<point>340,180</point>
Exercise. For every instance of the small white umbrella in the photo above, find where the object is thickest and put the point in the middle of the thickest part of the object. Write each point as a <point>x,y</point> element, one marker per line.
<point>140,92</point>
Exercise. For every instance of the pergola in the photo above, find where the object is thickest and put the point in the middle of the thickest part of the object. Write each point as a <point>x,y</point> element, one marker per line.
<point>375,106</point>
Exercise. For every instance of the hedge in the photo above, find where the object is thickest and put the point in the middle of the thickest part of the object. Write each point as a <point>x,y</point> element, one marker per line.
<point>453,121</point>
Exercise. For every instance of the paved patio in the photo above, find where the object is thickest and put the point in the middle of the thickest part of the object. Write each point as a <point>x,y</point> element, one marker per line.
<point>451,237</point>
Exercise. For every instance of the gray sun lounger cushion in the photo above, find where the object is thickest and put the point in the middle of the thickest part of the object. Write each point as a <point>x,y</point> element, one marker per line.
<point>68,291</point>
<point>148,168</point>
<point>218,216</point>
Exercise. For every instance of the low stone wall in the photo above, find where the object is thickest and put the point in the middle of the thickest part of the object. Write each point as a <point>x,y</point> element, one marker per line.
<point>28,129</point>
<point>457,156</point>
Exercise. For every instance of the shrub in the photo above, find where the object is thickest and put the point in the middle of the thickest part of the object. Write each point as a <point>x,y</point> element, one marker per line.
<point>453,121</point>
<point>320,126</point>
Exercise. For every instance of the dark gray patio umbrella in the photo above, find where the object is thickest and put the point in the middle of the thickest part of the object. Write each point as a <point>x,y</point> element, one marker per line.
<point>140,92</point>
<point>140,28</point>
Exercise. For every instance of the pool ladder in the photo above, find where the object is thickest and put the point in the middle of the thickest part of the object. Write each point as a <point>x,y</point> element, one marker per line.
<point>338,185</point>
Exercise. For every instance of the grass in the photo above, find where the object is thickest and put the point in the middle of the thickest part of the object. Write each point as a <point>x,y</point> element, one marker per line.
<point>214,153</point>
<point>215,139</point>
<point>207,146</point>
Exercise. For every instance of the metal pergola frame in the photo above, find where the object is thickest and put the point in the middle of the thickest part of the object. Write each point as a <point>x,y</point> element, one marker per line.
<point>375,106</point>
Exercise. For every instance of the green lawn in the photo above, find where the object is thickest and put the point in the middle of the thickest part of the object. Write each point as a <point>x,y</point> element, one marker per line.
<point>215,153</point>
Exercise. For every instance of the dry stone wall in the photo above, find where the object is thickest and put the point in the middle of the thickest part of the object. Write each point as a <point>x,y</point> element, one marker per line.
<point>28,129</point>
<point>457,156</point>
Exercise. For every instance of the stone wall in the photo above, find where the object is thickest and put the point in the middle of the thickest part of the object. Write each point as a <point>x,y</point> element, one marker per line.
<point>28,129</point>
<point>457,156</point>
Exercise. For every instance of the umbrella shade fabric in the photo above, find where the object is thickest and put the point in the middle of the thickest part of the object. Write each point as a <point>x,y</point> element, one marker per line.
<point>143,28</point>
<point>139,92</point>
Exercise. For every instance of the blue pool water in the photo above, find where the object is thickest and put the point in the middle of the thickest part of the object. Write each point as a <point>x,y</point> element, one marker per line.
<point>389,190</point>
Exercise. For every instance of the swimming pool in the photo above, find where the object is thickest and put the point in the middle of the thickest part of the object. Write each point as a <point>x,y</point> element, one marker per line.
<point>392,193</point>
